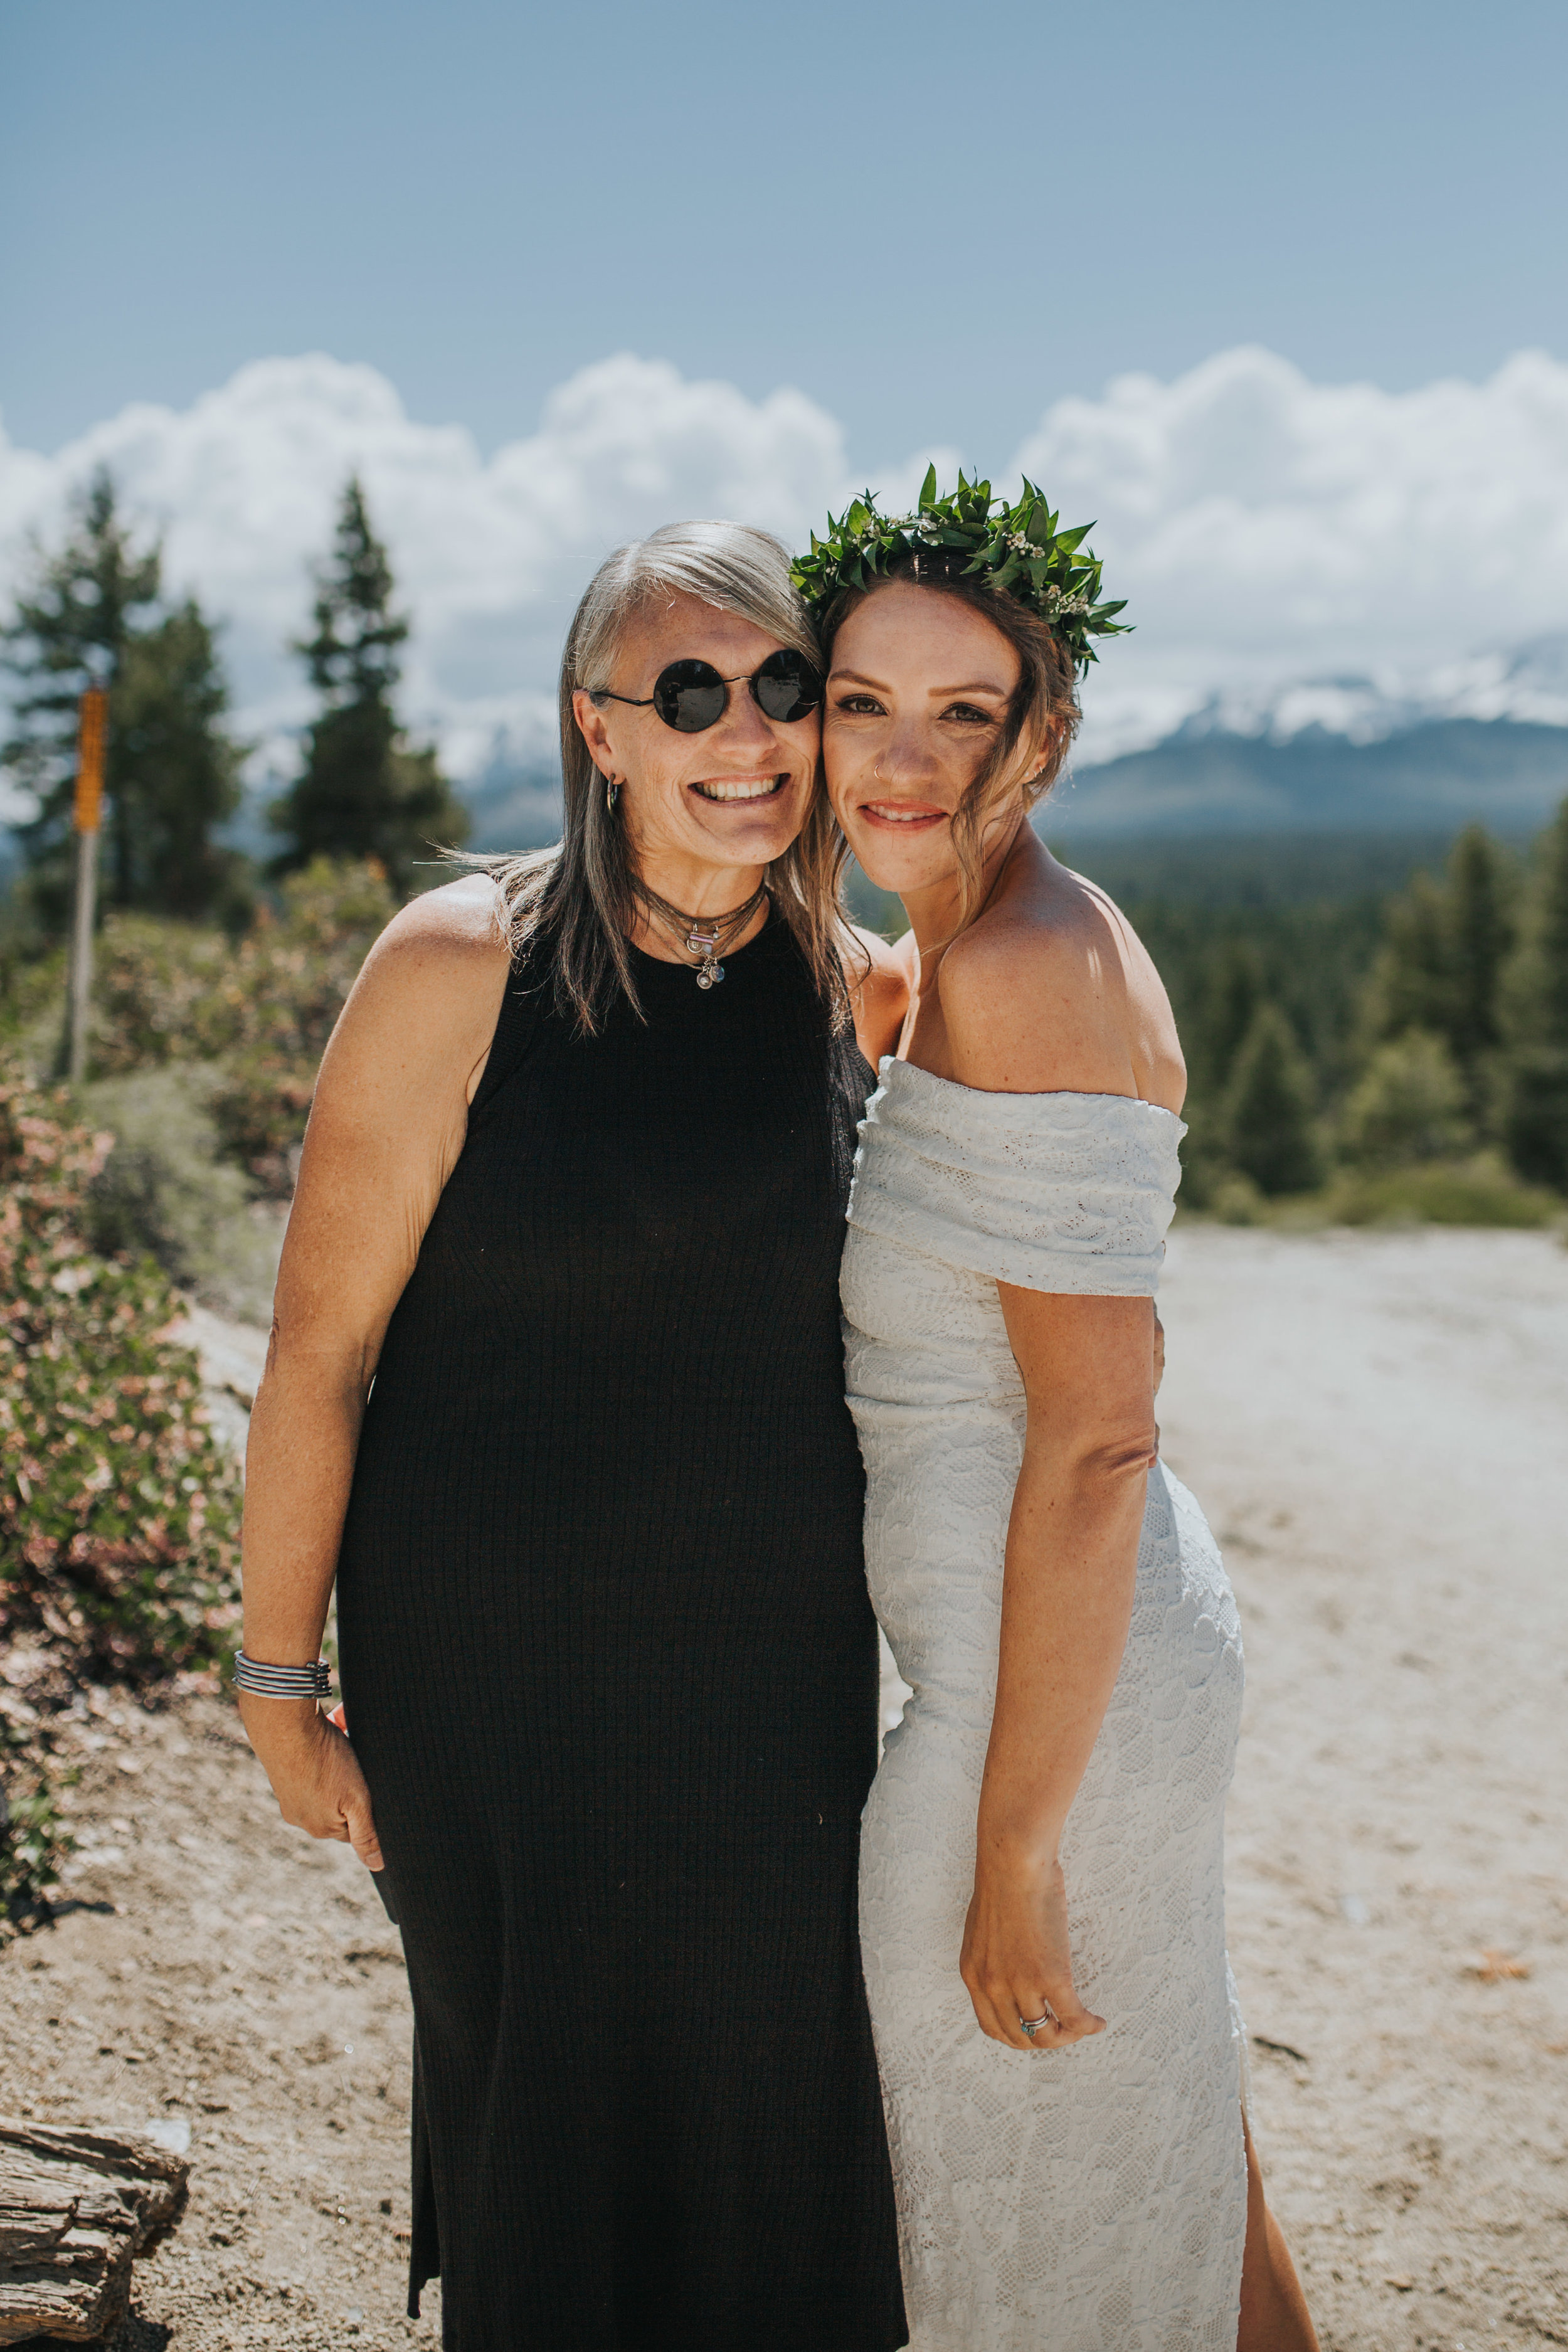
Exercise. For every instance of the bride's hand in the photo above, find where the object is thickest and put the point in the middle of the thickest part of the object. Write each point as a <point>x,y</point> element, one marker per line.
<point>1017,1962</point>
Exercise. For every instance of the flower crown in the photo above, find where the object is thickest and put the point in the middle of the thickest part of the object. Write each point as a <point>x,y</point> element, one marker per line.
<point>1020,547</point>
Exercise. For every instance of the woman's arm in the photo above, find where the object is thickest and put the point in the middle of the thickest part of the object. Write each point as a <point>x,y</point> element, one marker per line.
<point>1045,998</point>
<point>386,1125</point>
<point>1067,1603</point>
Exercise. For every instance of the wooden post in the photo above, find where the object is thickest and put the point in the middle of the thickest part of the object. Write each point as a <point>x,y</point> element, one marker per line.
<point>89,816</point>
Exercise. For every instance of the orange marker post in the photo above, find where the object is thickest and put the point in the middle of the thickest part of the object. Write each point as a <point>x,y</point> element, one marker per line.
<point>91,734</point>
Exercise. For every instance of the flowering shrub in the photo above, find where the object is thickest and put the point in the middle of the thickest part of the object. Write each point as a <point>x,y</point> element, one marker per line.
<point>261,1009</point>
<point>118,1506</point>
<point>33,1839</point>
<point>118,1509</point>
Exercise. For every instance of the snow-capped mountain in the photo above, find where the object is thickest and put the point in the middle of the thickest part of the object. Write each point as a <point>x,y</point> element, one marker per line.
<point>1485,737</point>
<point>1528,684</point>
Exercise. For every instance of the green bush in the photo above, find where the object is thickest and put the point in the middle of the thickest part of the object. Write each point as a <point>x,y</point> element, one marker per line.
<point>118,1509</point>
<point>1482,1190</point>
<point>1535,1114</point>
<point>1408,1106</point>
<point>33,1839</point>
<point>1269,1133</point>
<point>260,1011</point>
<point>164,1187</point>
<point>1236,1201</point>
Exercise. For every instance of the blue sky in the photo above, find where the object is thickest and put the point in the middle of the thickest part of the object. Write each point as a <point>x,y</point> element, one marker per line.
<point>934,220</point>
<point>1276,296</point>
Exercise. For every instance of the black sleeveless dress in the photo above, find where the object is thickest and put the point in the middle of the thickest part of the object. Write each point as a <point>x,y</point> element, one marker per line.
<point>611,1669</point>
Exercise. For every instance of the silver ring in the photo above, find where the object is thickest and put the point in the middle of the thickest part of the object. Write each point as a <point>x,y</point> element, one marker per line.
<point>1033,2024</point>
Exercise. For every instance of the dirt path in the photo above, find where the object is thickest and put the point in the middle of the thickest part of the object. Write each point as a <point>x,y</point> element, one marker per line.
<point>225,1973</point>
<point>1378,1426</point>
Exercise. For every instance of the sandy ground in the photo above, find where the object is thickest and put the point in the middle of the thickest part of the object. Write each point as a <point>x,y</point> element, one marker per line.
<point>1378,1426</point>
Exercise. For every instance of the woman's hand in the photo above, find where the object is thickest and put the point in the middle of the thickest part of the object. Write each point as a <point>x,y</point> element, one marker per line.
<point>1017,1962</point>
<point>315,1774</point>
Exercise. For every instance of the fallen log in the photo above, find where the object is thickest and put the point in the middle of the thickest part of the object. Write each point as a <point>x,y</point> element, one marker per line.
<point>76,2210</point>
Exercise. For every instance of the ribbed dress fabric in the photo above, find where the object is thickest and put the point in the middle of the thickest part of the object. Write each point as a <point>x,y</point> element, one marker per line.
<point>611,1668</point>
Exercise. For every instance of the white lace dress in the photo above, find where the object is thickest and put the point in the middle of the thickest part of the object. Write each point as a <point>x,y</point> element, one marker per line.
<point>1090,2199</point>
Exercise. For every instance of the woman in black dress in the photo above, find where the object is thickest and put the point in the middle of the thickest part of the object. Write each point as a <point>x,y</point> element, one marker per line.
<point>573,1197</point>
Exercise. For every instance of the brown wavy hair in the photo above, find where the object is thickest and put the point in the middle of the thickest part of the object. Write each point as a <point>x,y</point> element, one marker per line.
<point>581,896</point>
<point>1043,710</point>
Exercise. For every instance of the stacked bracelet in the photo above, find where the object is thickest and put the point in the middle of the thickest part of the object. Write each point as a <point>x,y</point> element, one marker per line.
<point>283,1681</point>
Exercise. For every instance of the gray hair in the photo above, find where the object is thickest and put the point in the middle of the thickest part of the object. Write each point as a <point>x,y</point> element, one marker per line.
<point>583,894</point>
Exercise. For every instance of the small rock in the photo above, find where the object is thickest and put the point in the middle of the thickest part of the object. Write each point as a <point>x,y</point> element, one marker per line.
<point>1399,2281</point>
<point>1494,1968</point>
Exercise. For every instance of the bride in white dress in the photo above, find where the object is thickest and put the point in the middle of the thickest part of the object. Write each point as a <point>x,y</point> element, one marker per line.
<point>1042,1893</point>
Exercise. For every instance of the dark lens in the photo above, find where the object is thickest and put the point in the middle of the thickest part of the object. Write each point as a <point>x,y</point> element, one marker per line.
<point>689,696</point>
<point>786,686</point>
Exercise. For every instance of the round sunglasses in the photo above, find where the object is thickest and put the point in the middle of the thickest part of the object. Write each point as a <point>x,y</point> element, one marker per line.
<point>691,695</point>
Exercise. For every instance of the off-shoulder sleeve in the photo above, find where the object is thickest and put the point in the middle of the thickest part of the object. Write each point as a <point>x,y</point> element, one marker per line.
<point>1054,1192</point>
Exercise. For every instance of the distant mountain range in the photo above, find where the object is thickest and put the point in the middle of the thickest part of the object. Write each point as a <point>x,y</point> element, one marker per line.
<point>1486,738</point>
<point>1429,777</point>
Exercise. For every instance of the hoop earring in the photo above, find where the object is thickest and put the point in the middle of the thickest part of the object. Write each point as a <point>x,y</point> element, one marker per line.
<point>612,793</point>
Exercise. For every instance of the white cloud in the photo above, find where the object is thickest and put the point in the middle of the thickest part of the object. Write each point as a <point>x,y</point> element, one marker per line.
<point>489,555</point>
<point>1266,530</point>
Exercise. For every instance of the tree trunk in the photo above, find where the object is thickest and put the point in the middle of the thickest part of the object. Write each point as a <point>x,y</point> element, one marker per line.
<point>76,2208</point>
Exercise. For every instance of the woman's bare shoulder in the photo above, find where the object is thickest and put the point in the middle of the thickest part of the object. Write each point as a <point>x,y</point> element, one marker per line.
<point>444,938</point>
<point>460,922</point>
<point>1052,991</point>
<point>433,982</point>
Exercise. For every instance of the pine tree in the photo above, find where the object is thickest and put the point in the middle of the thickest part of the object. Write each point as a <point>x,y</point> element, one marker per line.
<point>1536,997</point>
<point>1550,941</point>
<point>1235,989</point>
<point>1409,1105</point>
<point>1413,980</point>
<point>1268,1108</point>
<point>362,792</point>
<point>1446,948</point>
<point>172,772</point>
<point>172,701</point>
<point>1481,932</point>
<point>70,631</point>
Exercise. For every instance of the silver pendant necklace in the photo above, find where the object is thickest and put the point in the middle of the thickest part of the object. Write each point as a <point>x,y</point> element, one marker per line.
<point>706,937</point>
